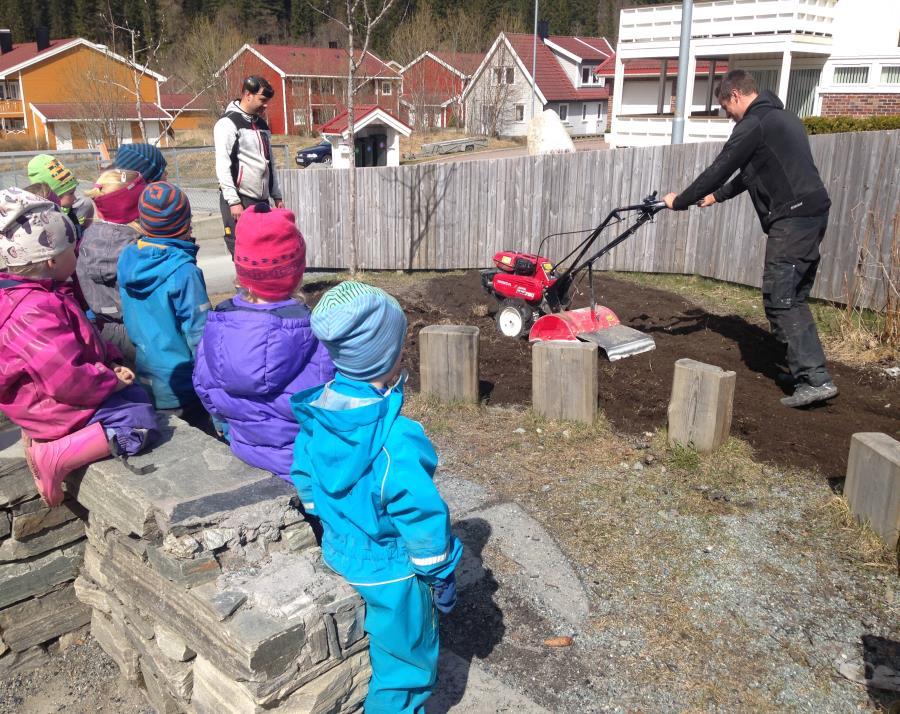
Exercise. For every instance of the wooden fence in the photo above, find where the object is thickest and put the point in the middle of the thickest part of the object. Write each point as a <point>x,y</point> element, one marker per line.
<point>457,215</point>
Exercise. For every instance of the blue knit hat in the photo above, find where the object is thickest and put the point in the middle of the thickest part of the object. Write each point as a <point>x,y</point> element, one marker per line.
<point>164,211</point>
<point>146,159</point>
<point>363,328</point>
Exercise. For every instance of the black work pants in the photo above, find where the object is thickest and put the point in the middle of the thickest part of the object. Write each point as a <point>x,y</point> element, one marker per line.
<point>228,220</point>
<point>792,258</point>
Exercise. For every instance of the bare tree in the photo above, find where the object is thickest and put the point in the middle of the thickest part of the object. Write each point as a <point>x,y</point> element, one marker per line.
<point>491,100</point>
<point>206,46</point>
<point>360,17</point>
<point>101,101</point>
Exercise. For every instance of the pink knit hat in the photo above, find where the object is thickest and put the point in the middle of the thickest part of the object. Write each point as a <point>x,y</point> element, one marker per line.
<point>269,252</point>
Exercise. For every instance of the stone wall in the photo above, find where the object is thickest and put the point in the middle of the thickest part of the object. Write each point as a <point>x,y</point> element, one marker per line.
<point>41,550</point>
<point>202,580</point>
<point>860,105</point>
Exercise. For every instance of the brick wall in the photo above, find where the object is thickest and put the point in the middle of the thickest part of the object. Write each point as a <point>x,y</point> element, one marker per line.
<point>860,105</point>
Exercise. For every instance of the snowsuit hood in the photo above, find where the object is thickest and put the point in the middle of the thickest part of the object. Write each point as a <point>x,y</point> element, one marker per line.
<point>140,273</point>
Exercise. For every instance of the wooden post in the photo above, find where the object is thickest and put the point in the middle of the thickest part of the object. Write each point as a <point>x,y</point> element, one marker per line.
<point>700,407</point>
<point>564,380</point>
<point>448,362</point>
<point>873,483</point>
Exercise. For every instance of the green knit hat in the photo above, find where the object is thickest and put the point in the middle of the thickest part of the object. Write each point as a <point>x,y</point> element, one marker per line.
<point>47,169</point>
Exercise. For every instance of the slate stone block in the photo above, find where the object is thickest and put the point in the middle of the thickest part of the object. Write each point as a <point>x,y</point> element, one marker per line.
<point>350,626</point>
<point>172,645</point>
<point>216,692</point>
<point>326,693</point>
<point>32,517</point>
<point>249,646</point>
<point>39,620</point>
<point>13,663</point>
<point>186,572</point>
<point>12,549</point>
<point>5,526</point>
<point>115,642</point>
<point>195,480</point>
<point>16,482</point>
<point>155,691</point>
<point>96,598</point>
<point>20,580</point>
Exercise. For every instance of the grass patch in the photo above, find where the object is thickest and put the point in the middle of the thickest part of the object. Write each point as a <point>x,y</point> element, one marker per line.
<point>684,458</point>
<point>861,543</point>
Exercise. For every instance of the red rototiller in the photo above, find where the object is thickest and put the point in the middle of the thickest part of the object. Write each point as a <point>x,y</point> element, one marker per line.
<point>535,295</point>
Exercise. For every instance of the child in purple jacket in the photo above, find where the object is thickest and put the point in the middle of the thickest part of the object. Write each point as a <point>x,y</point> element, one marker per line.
<point>258,348</point>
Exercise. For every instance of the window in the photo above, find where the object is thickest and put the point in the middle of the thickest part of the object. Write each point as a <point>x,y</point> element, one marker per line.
<point>298,86</point>
<point>584,112</point>
<point>504,75</point>
<point>323,85</point>
<point>585,75</point>
<point>890,74</point>
<point>385,88</point>
<point>299,117</point>
<point>563,112</point>
<point>851,75</point>
<point>520,112</point>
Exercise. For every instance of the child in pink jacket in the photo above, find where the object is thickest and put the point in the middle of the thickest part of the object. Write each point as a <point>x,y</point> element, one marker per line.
<point>59,381</point>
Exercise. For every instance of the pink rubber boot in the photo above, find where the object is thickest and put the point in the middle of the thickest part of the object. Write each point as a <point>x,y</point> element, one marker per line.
<point>52,461</point>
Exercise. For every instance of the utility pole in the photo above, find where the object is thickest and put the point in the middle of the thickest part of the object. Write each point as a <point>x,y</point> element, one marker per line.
<point>684,52</point>
<point>534,57</point>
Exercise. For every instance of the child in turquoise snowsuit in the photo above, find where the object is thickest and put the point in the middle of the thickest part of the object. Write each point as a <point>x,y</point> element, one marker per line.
<point>366,472</point>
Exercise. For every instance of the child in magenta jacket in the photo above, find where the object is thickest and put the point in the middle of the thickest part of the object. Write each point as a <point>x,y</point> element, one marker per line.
<point>258,348</point>
<point>59,381</point>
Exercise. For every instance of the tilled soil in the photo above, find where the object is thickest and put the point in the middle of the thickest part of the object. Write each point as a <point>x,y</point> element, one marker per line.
<point>634,392</point>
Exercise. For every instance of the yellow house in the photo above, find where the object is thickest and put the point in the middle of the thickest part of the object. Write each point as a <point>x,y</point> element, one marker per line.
<point>73,94</point>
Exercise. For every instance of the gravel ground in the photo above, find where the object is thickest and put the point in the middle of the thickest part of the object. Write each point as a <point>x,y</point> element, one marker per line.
<point>79,680</point>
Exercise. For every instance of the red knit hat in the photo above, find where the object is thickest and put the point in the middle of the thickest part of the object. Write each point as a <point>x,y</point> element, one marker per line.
<point>269,252</point>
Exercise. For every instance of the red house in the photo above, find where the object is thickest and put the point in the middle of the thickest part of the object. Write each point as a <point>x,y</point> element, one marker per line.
<point>432,86</point>
<point>310,83</point>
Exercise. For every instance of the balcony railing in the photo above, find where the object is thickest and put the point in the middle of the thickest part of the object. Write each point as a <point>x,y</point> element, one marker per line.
<point>649,130</point>
<point>12,106</point>
<point>728,18</point>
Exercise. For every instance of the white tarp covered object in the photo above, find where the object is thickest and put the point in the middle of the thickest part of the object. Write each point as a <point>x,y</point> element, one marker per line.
<point>547,135</point>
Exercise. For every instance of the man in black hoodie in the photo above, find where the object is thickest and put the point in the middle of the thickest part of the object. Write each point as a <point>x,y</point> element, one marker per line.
<point>769,149</point>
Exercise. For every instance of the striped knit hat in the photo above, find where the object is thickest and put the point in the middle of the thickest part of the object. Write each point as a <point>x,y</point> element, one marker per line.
<point>146,159</point>
<point>363,328</point>
<point>164,212</point>
<point>47,169</point>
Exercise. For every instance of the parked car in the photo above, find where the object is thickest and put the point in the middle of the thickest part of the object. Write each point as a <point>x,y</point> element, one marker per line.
<point>318,154</point>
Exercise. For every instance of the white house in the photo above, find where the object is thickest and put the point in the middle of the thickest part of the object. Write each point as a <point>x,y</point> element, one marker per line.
<point>818,56</point>
<point>377,135</point>
<point>498,100</point>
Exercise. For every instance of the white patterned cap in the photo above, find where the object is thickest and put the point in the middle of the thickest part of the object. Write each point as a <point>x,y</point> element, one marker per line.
<point>32,229</point>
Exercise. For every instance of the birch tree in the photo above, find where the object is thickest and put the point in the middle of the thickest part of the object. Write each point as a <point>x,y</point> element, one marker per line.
<point>358,19</point>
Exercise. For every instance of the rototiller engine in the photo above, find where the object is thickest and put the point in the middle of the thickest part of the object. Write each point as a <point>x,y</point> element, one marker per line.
<point>535,295</point>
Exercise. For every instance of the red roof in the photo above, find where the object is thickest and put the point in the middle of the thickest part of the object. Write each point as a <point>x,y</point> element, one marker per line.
<point>124,110</point>
<point>26,51</point>
<point>587,48</point>
<point>652,67</point>
<point>174,101</point>
<point>551,79</point>
<point>320,61</point>
<point>339,124</point>
<point>464,62</point>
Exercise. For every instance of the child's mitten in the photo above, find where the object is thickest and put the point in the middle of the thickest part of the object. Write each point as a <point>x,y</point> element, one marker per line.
<point>445,594</point>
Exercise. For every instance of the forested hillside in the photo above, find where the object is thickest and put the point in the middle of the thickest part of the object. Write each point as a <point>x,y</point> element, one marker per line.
<point>474,22</point>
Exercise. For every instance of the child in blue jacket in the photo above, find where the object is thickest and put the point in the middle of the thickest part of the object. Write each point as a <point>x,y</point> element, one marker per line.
<point>164,300</point>
<point>366,472</point>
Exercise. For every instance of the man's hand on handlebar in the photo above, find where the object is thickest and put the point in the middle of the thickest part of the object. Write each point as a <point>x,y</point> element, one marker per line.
<point>669,199</point>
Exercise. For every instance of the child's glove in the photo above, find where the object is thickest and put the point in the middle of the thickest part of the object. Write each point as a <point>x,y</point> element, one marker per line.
<point>445,594</point>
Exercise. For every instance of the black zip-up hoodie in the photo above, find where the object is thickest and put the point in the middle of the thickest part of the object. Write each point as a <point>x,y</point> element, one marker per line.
<point>770,149</point>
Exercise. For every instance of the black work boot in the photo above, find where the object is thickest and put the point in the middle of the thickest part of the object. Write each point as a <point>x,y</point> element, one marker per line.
<point>806,394</point>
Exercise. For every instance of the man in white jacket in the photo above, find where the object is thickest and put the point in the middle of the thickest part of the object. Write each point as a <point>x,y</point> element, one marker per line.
<point>244,166</point>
